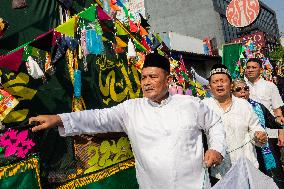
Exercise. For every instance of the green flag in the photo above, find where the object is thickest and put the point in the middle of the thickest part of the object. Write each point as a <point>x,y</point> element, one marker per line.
<point>231,55</point>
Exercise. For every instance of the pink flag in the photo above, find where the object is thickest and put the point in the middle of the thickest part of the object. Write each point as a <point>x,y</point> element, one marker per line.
<point>102,15</point>
<point>13,60</point>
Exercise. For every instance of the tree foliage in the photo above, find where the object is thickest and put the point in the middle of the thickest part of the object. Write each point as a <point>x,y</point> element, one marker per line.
<point>277,54</point>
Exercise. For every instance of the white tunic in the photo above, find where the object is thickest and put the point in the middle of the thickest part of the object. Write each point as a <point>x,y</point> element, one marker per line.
<point>267,93</point>
<point>166,139</point>
<point>240,124</point>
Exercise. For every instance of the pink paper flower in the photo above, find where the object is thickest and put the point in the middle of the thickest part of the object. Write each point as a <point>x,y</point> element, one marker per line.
<point>16,143</point>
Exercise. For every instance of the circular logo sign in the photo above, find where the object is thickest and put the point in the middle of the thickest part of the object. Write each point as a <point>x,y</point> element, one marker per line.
<point>241,13</point>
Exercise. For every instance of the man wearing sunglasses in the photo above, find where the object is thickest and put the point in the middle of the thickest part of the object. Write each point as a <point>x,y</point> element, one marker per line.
<point>266,93</point>
<point>241,124</point>
<point>269,161</point>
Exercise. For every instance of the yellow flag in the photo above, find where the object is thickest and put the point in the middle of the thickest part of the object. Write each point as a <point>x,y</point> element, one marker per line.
<point>119,42</point>
<point>68,28</point>
<point>120,30</point>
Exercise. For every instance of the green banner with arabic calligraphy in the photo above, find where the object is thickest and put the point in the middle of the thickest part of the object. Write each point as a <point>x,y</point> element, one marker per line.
<point>108,81</point>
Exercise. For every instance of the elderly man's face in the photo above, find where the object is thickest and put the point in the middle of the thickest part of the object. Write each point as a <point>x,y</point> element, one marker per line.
<point>220,86</point>
<point>155,82</point>
<point>241,90</point>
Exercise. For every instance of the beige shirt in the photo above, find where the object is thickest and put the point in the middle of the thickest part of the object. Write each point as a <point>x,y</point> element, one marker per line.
<point>240,124</point>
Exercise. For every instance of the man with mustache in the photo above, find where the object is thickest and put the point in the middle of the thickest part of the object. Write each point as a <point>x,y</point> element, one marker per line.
<point>165,131</point>
<point>241,124</point>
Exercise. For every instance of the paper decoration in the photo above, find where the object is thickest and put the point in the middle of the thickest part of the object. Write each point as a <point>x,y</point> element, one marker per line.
<point>44,41</point>
<point>143,32</point>
<point>119,42</point>
<point>33,68</point>
<point>143,21</point>
<point>156,43</point>
<point>133,27</point>
<point>68,28</point>
<point>144,43</point>
<point>113,5</point>
<point>59,50</point>
<point>16,143</point>
<point>120,29</point>
<point>131,49</point>
<point>89,14</point>
<point>102,15</point>
<point>77,83</point>
<point>7,103</point>
<point>83,42</point>
<point>94,43</point>
<point>13,60</point>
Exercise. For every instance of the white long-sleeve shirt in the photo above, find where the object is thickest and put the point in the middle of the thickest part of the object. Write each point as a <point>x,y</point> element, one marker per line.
<point>265,92</point>
<point>240,124</point>
<point>166,138</point>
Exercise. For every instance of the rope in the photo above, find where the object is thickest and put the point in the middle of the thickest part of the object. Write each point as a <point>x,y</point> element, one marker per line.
<point>240,146</point>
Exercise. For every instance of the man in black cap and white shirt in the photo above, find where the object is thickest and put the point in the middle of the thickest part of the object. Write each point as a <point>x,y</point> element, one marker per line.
<point>164,130</point>
<point>241,124</point>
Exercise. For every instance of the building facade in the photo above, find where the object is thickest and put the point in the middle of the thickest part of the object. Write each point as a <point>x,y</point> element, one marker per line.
<point>207,18</point>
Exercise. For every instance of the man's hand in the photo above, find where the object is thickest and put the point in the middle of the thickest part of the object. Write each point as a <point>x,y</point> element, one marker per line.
<point>280,138</point>
<point>212,158</point>
<point>45,122</point>
<point>260,137</point>
<point>280,120</point>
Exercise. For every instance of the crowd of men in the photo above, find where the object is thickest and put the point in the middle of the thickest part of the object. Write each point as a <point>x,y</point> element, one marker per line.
<point>165,131</point>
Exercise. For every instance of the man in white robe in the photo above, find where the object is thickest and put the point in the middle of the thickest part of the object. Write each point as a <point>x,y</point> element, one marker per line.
<point>241,124</point>
<point>164,131</point>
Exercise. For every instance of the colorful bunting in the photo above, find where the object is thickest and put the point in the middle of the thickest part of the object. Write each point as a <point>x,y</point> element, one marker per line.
<point>156,43</point>
<point>133,27</point>
<point>139,46</point>
<point>102,15</point>
<point>143,21</point>
<point>13,60</point>
<point>44,41</point>
<point>120,30</point>
<point>119,3</point>
<point>119,42</point>
<point>89,14</point>
<point>144,43</point>
<point>148,40</point>
<point>68,28</point>
<point>113,5</point>
<point>143,32</point>
<point>131,49</point>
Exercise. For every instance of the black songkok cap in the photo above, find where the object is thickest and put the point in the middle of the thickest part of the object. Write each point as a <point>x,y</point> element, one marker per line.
<point>157,60</point>
<point>219,69</point>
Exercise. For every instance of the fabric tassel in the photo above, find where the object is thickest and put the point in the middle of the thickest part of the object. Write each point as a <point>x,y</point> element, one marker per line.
<point>34,69</point>
<point>77,83</point>
<point>131,49</point>
<point>94,42</point>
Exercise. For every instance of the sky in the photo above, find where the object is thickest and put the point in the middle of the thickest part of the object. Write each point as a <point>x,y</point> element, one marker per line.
<point>278,7</point>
